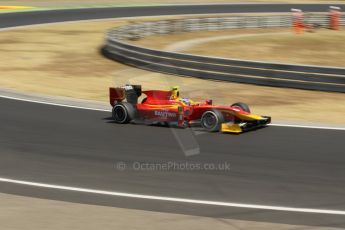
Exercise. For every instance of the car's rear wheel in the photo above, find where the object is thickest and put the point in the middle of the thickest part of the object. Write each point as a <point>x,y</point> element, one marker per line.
<point>211,121</point>
<point>242,106</point>
<point>123,112</point>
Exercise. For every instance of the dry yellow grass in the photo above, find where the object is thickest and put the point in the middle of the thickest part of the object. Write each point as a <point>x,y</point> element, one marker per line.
<point>64,60</point>
<point>323,47</point>
<point>164,41</point>
<point>57,60</point>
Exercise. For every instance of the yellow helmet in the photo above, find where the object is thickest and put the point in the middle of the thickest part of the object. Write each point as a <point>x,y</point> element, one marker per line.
<point>175,92</point>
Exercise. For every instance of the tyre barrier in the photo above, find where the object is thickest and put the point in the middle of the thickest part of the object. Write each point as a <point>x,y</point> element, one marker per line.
<point>330,79</point>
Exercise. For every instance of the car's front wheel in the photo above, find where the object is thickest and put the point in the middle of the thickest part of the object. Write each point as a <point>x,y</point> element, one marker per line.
<point>242,106</point>
<point>212,120</point>
<point>123,112</point>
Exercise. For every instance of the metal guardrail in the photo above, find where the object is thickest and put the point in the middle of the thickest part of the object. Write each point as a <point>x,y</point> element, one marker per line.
<point>259,73</point>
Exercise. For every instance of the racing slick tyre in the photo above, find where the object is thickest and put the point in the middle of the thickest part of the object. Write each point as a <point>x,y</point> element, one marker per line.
<point>242,106</point>
<point>123,112</point>
<point>212,120</point>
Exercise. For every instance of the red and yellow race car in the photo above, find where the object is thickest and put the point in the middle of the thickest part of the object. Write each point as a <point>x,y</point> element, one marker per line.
<point>167,107</point>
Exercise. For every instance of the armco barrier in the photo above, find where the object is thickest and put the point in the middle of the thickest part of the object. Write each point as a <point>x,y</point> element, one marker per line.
<point>259,73</point>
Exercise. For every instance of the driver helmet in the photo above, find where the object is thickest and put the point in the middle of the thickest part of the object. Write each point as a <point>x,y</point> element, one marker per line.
<point>175,92</point>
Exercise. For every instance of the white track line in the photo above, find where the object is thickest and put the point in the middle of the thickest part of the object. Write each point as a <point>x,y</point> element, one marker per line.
<point>108,110</point>
<point>174,199</point>
<point>55,104</point>
<point>308,126</point>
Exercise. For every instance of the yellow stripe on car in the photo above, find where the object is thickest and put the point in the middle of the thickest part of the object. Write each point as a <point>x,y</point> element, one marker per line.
<point>249,117</point>
<point>15,7</point>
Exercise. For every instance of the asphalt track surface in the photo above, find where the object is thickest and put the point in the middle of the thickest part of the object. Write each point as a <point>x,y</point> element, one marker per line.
<point>278,166</point>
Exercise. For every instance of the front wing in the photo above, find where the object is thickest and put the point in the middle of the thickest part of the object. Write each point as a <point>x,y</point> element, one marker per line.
<point>245,125</point>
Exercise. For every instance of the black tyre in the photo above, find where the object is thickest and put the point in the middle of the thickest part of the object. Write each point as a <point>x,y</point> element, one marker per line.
<point>123,112</point>
<point>242,106</point>
<point>212,120</point>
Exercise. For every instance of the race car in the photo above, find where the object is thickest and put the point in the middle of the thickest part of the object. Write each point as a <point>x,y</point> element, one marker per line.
<point>167,107</point>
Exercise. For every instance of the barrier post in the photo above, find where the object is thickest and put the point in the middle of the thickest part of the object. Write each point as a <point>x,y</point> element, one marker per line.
<point>334,17</point>
<point>298,20</point>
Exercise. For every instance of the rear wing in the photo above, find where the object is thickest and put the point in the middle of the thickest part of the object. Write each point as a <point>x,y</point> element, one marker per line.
<point>116,95</point>
<point>130,93</point>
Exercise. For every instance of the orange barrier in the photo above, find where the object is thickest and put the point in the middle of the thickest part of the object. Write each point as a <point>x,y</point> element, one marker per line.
<point>334,17</point>
<point>298,21</point>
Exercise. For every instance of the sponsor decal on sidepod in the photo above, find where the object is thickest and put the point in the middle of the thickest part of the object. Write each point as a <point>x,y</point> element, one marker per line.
<point>164,113</point>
